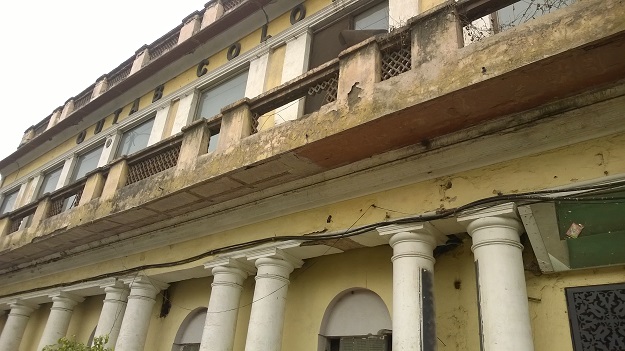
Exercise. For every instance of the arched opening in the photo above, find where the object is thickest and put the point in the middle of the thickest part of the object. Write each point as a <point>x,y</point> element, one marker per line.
<point>189,334</point>
<point>356,320</point>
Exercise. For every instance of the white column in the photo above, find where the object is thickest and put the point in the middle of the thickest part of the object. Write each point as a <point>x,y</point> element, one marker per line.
<point>16,325</point>
<point>413,296</point>
<point>66,172</point>
<point>502,294</point>
<point>264,332</point>
<point>59,318</point>
<point>296,57</point>
<point>112,314</point>
<point>256,76</point>
<point>223,306</point>
<point>185,112</point>
<point>400,11</point>
<point>110,147</point>
<point>33,189</point>
<point>159,125</point>
<point>134,328</point>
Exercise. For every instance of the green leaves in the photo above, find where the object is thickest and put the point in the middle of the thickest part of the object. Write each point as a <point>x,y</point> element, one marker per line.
<point>66,344</point>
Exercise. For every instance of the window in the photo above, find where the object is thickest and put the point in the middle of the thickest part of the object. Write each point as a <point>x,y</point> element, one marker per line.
<point>329,41</point>
<point>523,11</point>
<point>597,317</point>
<point>356,320</point>
<point>135,139</point>
<point>189,335</point>
<point>50,181</point>
<point>9,202</point>
<point>373,18</point>
<point>87,162</point>
<point>224,94</point>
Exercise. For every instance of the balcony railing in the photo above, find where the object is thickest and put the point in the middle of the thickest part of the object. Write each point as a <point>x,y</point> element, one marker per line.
<point>396,54</point>
<point>118,75</point>
<point>482,19</point>
<point>82,99</point>
<point>151,161</point>
<point>66,198</point>
<point>321,80</point>
<point>161,46</point>
<point>231,4</point>
<point>22,218</point>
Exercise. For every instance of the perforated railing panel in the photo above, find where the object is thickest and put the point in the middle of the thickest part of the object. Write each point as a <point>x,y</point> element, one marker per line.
<point>146,168</point>
<point>597,315</point>
<point>328,87</point>
<point>396,56</point>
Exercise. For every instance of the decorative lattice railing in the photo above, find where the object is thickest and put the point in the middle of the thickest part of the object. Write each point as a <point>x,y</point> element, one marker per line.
<point>83,99</point>
<point>396,56</point>
<point>231,4</point>
<point>322,80</point>
<point>21,218</point>
<point>161,46</point>
<point>119,75</point>
<point>65,198</point>
<point>152,161</point>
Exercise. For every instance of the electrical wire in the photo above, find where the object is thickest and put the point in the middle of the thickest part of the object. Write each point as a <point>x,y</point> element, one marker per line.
<point>528,197</point>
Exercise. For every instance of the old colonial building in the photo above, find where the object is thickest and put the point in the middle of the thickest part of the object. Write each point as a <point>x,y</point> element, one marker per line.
<point>332,175</point>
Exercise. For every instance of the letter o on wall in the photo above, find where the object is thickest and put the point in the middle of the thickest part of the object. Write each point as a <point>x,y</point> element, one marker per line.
<point>298,13</point>
<point>201,68</point>
<point>81,137</point>
<point>233,51</point>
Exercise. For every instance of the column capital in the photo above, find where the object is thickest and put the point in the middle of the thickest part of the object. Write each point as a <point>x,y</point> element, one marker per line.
<point>506,210</point>
<point>231,263</point>
<point>117,291</point>
<point>143,286</point>
<point>501,216</point>
<point>275,254</point>
<point>22,308</point>
<point>423,231</point>
<point>65,300</point>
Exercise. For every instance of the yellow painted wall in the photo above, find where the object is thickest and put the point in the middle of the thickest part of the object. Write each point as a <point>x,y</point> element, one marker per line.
<point>248,42</point>
<point>321,279</point>
<point>549,315</point>
<point>85,318</point>
<point>274,79</point>
<point>3,320</point>
<point>34,329</point>
<point>554,168</point>
<point>185,297</point>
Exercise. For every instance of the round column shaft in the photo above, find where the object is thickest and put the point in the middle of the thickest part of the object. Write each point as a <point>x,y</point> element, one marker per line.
<point>59,318</point>
<point>502,294</point>
<point>15,326</point>
<point>112,313</point>
<point>134,328</point>
<point>269,304</point>
<point>223,309</point>
<point>413,303</point>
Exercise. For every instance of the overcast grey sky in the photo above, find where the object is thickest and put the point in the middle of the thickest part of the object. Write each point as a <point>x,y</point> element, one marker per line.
<point>52,50</point>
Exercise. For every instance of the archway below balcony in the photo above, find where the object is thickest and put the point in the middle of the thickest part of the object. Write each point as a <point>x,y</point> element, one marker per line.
<point>189,334</point>
<point>357,316</point>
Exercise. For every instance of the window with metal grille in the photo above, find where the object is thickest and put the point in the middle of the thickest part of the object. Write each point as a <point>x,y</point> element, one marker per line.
<point>597,317</point>
<point>221,95</point>
<point>135,139</point>
<point>364,343</point>
<point>9,202</point>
